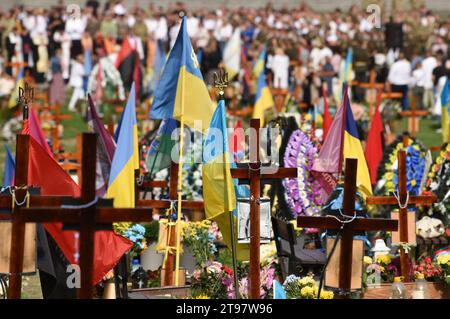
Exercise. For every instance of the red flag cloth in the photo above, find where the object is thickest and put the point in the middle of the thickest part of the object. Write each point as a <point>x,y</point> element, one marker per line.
<point>237,142</point>
<point>36,131</point>
<point>46,173</point>
<point>374,145</point>
<point>327,120</point>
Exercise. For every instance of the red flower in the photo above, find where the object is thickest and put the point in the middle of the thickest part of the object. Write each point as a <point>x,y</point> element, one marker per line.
<point>427,260</point>
<point>227,270</point>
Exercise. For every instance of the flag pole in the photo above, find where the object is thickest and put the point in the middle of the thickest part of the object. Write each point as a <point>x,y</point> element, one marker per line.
<point>220,82</point>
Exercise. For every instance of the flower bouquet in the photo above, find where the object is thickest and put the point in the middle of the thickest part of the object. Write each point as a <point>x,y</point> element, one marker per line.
<point>199,237</point>
<point>383,270</point>
<point>304,288</point>
<point>431,270</point>
<point>443,260</point>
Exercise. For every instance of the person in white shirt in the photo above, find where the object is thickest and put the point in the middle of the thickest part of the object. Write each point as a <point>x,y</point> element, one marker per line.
<point>428,65</point>
<point>161,30</point>
<point>76,81</point>
<point>192,23</point>
<point>418,83</point>
<point>280,68</point>
<point>223,33</point>
<point>202,36</point>
<point>400,77</point>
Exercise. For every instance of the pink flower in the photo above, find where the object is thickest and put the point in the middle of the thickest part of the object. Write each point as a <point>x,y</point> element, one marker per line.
<point>427,260</point>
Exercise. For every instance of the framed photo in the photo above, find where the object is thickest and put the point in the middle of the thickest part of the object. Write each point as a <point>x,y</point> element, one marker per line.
<point>243,216</point>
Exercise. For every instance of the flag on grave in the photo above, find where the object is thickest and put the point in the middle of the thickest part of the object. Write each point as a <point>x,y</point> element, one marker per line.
<point>126,158</point>
<point>374,146</point>
<point>20,82</point>
<point>46,173</point>
<point>327,120</point>
<point>445,117</point>
<point>278,290</point>
<point>263,98</point>
<point>105,149</point>
<point>128,64</point>
<point>181,90</point>
<point>232,54</point>
<point>8,171</point>
<point>36,131</point>
<point>343,142</point>
<point>159,152</point>
<point>219,189</point>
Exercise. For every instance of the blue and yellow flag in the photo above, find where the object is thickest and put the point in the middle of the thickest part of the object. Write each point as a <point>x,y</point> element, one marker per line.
<point>345,75</point>
<point>219,189</point>
<point>445,117</point>
<point>258,67</point>
<point>353,148</point>
<point>263,98</point>
<point>126,158</point>
<point>181,90</point>
<point>10,165</point>
<point>20,82</point>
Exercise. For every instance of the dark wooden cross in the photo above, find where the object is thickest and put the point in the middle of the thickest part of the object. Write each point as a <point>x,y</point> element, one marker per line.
<point>9,210</point>
<point>404,200</point>
<point>88,217</point>
<point>168,279</point>
<point>348,229</point>
<point>254,175</point>
<point>372,86</point>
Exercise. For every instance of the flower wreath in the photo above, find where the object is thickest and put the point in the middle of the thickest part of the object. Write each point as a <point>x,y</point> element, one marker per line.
<point>438,183</point>
<point>304,194</point>
<point>110,76</point>
<point>415,167</point>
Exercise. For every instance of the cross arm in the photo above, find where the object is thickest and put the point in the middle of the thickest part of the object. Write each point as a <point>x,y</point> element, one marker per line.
<point>48,215</point>
<point>160,204</point>
<point>112,215</point>
<point>390,200</point>
<point>357,225</point>
<point>266,172</point>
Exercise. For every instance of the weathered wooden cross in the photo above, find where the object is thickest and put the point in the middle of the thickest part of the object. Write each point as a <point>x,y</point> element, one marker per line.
<point>254,175</point>
<point>403,200</point>
<point>414,116</point>
<point>372,86</point>
<point>88,215</point>
<point>347,229</point>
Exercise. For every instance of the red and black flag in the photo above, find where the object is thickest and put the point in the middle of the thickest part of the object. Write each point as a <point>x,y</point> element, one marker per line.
<point>128,63</point>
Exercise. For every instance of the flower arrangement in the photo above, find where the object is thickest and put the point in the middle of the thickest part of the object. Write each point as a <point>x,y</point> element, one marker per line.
<point>200,239</point>
<point>443,260</point>
<point>304,288</point>
<point>383,268</point>
<point>267,274</point>
<point>430,270</point>
<point>438,183</point>
<point>214,281</point>
<point>304,194</point>
<point>136,234</point>
<point>415,167</point>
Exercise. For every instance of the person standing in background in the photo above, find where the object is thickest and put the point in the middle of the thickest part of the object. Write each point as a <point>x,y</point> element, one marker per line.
<point>400,77</point>
<point>76,81</point>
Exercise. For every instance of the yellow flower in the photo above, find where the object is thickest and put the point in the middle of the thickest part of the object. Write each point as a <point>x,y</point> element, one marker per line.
<point>202,297</point>
<point>413,182</point>
<point>383,259</point>
<point>444,259</point>
<point>367,260</point>
<point>307,281</point>
<point>307,292</point>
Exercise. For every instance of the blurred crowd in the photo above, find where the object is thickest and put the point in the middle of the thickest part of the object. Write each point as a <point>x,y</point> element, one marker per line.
<point>410,49</point>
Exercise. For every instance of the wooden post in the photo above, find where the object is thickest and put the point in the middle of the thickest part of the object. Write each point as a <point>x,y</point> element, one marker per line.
<point>255,191</point>
<point>18,229</point>
<point>87,225</point>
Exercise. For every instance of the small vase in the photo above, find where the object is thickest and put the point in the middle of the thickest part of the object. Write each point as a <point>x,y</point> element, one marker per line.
<point>110,290</point>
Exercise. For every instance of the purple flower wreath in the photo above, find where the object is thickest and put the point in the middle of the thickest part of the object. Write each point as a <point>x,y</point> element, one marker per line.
<point>304,194</point>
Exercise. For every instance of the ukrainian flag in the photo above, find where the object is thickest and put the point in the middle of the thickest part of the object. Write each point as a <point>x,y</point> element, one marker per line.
<point>219,189</point>
<point>345,74</point>
<point>353,148</point>
<point>445,117</point>
<point>20,82</point>
<point>126,158</point>
<point>181,90</point>
<point>258,67</point>
<point>263,98</point>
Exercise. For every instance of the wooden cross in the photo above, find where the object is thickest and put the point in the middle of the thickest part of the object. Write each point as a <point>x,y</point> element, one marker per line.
<point>165,204</point>
<point>413,116</point>
<point>372,86</point>
<point>18,229</point>
<point>403,201</point>
<point>347,229</point>
<point>88,216</point>
<point>254,175</point>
